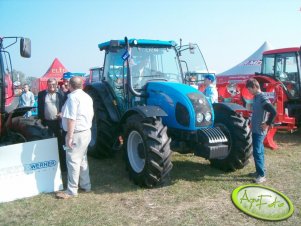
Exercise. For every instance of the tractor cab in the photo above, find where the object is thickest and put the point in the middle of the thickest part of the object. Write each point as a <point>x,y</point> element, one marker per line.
<point>9,88</point>
<point>146,62</point>
<point>130,65</point>
<point>284,66</point>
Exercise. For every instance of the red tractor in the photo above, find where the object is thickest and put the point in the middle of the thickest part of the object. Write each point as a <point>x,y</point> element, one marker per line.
<point>280,80</point>
<point>14,128</point>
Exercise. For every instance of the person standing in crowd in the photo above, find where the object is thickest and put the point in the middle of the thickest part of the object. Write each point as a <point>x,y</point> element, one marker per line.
<point>50,103</point>
<point>26,99</point>
<point>193,82</point>
<point>210,88</point>
<point>64,87</point>
<point>260,123</point>
<point>77,115</point>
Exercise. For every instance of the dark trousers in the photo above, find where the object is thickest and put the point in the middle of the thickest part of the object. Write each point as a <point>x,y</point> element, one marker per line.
<point>54,130</point>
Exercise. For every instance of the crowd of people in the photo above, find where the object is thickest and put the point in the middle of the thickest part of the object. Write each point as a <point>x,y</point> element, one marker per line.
<point>67,112</point>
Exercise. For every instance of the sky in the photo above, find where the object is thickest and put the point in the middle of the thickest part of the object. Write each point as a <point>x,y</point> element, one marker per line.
<point>227,31</point>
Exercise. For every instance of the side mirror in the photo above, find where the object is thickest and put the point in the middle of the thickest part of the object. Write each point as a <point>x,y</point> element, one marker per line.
<point>25,47</point>
<point>191,48</point>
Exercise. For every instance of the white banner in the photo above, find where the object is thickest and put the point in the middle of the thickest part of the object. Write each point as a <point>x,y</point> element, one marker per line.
<point>28,169</point>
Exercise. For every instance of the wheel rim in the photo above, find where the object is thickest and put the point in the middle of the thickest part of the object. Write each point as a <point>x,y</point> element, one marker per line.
<point>136,151</point>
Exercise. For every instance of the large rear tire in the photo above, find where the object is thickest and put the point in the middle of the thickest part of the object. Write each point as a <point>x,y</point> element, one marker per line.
<point>238,132</point>
<point>31,129</point>
<point>104,131</point>
<point>147,150</point>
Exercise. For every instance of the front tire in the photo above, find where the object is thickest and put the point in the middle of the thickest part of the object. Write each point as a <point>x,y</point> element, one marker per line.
<point>238,132</point>
<point>147,151</point>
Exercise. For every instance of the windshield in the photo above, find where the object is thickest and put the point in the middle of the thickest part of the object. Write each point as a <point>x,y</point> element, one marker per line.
<point>283,67</point>
<point>193,62</point>
<point>114,69</point>
<point>152,63</point>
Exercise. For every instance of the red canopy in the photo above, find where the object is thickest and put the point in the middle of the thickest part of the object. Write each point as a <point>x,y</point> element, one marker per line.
<point>56,70</point>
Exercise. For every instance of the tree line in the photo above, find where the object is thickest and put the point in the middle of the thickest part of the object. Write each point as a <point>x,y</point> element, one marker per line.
<point>22,78</point>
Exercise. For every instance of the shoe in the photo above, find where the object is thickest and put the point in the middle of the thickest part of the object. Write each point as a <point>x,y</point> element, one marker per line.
<point>64,195</point>
<point>260,179</point>
<point>252,174</point>
<point>84,190</point>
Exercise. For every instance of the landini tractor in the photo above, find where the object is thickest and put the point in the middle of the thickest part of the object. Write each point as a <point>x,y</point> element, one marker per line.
<point>280,80</point>
<point>143,99</point>
<point>14,128</point>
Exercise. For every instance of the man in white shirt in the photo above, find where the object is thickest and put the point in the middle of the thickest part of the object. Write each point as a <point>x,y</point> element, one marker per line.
<point>77,115</point>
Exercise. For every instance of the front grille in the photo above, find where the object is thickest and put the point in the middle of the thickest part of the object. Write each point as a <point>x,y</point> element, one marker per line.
<point>212,144</point>
<point>212,135</point>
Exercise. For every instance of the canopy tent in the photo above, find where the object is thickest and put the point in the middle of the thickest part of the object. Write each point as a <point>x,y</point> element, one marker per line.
<point>246,68</point>
<point>68,75</point>
<point>56,70</point>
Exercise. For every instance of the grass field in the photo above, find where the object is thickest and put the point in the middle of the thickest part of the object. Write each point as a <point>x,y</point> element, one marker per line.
<point>196,194</point>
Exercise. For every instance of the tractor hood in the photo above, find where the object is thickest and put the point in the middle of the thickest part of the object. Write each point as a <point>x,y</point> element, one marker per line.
<point>186,107</point>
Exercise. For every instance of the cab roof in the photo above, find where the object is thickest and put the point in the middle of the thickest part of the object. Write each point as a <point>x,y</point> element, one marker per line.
<point>283,50</point>
<point>136,42</point>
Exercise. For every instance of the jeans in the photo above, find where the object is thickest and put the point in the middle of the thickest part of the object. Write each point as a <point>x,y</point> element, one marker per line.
<point>258,153</point>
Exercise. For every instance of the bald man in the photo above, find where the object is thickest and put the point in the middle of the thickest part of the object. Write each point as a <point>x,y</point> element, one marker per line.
<point>77,115</point>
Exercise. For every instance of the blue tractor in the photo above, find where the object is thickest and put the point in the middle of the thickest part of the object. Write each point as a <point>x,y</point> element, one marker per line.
<point>143,98</point>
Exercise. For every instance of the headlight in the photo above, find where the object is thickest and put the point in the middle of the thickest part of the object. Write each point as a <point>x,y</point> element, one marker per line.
<point>201,101</point>
<point>208,116</point>
<point>199,117</point>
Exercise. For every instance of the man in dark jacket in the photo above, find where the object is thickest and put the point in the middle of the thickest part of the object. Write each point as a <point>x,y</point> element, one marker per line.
<point>50,103</point>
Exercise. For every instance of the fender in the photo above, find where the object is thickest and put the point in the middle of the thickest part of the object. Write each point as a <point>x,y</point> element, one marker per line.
<point>107,97</point>
<point>226,108</point>
<point>20,111</point>
<point>144,111</point>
